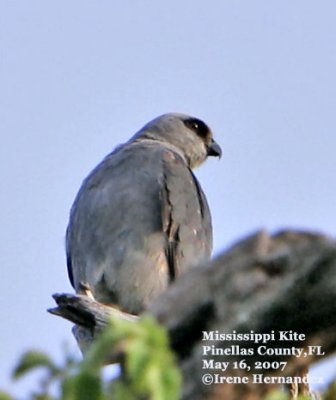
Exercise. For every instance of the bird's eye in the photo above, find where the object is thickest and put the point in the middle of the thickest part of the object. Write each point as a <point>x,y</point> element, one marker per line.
<point>195,126</point>
<point>198,127</point>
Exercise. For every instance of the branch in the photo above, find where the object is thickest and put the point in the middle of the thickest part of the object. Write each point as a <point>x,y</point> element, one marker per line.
<point>284,282</point>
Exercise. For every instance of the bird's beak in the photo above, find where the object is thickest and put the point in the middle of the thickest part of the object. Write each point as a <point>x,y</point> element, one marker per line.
<point>214,149</point>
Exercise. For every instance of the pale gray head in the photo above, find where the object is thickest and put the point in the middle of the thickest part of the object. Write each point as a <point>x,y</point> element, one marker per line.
<point>189,135</point>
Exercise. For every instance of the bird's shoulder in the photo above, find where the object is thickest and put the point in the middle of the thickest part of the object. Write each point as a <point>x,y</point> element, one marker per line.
<point>142,161</point>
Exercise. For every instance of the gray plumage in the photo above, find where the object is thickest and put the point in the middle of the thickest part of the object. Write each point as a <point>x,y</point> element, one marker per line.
<point>141,218</point>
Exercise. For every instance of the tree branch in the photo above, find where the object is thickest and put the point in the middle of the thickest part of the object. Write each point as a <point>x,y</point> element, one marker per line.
<point>284,282</point>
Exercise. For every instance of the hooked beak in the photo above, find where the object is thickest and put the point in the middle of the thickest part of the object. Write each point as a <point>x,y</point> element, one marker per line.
<point>214,149</point>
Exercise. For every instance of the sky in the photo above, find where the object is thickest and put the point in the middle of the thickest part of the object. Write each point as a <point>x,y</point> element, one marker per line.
<point>78,78</point>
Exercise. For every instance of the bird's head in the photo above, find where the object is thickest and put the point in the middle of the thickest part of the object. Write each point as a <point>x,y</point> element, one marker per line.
<point>189,135</point>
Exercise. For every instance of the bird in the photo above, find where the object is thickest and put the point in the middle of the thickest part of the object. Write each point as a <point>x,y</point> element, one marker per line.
<point>141,219</point>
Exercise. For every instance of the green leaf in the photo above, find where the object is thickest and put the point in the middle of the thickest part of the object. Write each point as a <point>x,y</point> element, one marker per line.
<point>151,367</point>
<point>83,386</point>
<point>276,395</point>
<point>32,360</point>
<point>330,393</point>
<point>88,387</point>
<point>43,396</point>
<point>5,396</point>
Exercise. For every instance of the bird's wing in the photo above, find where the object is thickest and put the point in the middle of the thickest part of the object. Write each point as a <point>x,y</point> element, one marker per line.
<point>186,219</point>
<point>117,205</point>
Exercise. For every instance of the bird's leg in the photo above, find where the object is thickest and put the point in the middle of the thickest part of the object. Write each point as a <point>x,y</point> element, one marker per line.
<point>85,289</point>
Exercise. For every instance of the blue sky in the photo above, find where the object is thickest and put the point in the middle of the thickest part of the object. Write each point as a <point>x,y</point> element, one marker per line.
<point>77,78</point>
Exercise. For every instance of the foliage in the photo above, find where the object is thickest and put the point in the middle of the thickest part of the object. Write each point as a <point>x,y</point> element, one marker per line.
<point>276,395</point>
<point>149,367</point>
<point>331,392</point>
<point>5,396</point>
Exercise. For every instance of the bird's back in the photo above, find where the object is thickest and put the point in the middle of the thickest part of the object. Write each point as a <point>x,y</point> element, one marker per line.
<point>138,221</point>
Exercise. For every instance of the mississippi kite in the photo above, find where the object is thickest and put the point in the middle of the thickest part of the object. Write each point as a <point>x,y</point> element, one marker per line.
<point>140,218</point>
